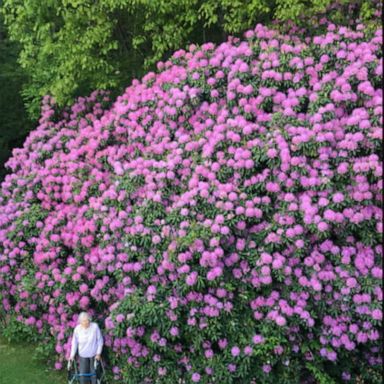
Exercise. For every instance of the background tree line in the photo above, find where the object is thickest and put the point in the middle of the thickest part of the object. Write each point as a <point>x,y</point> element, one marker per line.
<point>68,48</point>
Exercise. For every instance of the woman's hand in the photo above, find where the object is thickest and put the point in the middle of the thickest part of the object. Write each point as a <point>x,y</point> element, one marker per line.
<point>98,357</point>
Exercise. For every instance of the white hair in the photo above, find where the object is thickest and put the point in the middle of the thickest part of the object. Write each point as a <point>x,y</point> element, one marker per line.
<point>84,315</point>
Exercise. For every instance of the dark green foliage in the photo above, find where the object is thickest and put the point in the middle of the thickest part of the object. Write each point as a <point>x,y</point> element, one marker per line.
<point>14,123</point>
<point>69,48</point>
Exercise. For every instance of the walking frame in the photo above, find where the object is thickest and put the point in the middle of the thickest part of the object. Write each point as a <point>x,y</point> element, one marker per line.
<point>74,375</point>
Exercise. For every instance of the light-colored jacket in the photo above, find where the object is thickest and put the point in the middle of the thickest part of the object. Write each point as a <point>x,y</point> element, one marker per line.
<point>88,341</point>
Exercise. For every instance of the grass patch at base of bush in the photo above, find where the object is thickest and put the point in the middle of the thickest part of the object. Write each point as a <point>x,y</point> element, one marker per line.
<point>18,366</point>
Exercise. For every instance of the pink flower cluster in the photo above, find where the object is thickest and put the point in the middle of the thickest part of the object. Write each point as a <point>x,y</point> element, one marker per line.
<point>222,216</point>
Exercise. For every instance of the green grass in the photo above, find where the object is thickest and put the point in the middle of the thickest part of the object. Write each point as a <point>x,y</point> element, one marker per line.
<point>17,366</point>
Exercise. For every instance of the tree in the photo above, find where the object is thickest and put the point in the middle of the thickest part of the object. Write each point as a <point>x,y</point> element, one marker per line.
<point>14,122</point>
<point>70,47</point>
<point>223,218</point>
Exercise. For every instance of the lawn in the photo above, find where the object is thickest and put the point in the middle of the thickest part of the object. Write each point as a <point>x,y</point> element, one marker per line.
<point>18,367</point>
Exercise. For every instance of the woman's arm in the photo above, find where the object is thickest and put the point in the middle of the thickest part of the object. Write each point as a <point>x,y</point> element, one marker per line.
<point>74,345</point>
<point>100,341</point>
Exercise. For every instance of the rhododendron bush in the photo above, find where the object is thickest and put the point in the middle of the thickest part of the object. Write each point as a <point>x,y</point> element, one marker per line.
<point>221,219</point>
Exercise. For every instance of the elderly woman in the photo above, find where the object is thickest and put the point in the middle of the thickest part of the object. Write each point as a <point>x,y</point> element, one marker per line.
<point>87,339</point>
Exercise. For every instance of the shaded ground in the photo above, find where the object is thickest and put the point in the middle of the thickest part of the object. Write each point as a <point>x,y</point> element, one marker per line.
<point>18,367</point>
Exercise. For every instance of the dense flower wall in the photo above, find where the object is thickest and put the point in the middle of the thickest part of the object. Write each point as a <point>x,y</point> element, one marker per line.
<point>221,219</point>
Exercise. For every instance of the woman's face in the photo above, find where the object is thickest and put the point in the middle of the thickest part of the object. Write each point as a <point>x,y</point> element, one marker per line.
<point>85,322</point>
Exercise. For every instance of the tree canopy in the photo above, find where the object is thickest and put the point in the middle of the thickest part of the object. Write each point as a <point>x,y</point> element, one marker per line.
<point>71,47</point>
<point>14,122</point>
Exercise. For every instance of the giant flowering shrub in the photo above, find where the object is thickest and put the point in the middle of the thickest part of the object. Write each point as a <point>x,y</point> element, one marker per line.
<point>222,217</point>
